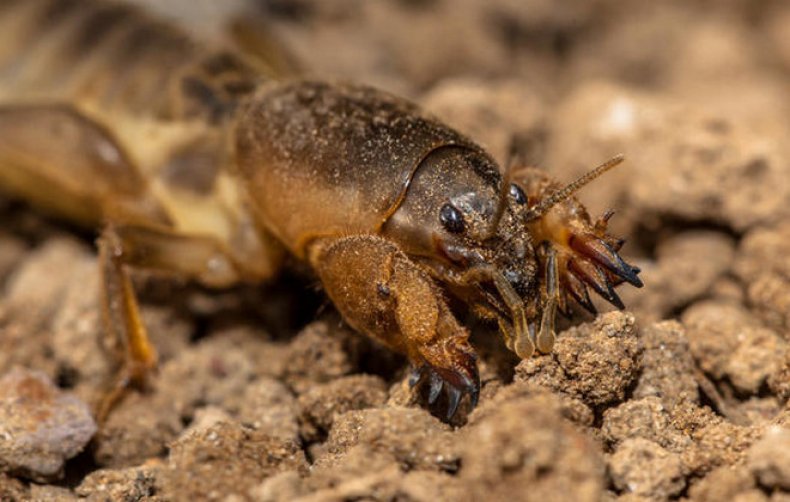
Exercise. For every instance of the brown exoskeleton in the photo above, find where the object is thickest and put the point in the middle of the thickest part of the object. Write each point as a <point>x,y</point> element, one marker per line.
<point>197,162</point>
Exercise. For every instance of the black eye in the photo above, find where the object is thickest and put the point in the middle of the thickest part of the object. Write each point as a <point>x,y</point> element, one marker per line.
<point>518,194</point>
<point>452,219</point>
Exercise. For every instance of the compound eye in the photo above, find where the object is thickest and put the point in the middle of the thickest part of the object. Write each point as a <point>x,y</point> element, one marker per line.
<point>518,194</point>
<point>452,219</point>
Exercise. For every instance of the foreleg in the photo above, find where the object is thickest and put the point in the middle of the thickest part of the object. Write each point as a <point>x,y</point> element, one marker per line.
<point>384,294</point>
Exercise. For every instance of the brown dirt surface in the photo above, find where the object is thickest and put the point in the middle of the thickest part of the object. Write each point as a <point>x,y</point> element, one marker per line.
<point>262,394</point>
<point>41,427</point>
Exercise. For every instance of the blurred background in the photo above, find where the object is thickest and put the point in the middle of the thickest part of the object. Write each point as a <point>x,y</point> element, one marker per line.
<point>407,46</point>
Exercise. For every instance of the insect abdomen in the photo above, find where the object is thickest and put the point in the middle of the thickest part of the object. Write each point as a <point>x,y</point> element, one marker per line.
<point>114,57</point>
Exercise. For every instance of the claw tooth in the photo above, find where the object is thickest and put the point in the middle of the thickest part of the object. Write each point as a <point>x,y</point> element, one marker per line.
<point>453,398</point>
<point>590,274</point>
<point>436,388</point>
<point>633,279</point>
<point>579,292</point>
<point>601,252</point>
<point>415,376</point>
<point>597,279</point>
<point>587,303</point>
<point>621,268</point>
<point>614,280</point>
<point>474,396</point>
<point>473,387</point>
<point>614,299</point>
<point>627,273</point>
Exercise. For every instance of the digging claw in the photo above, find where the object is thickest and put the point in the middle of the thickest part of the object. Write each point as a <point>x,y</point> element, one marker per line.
<point>601,253</point>
<point>454,383</point>
<point>579,292</point>
<point>598,265</point>
<point>613,298</point>
<point>415,376</point>
<point>436,384</point>
<point>474,395</point>
<point>453,399</point>
<point>596,279</point>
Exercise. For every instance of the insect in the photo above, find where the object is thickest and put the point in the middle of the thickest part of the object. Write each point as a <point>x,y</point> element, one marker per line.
<point>202,163</point>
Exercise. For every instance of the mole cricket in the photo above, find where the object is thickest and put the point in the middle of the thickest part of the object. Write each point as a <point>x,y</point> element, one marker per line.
<point>205,163</point>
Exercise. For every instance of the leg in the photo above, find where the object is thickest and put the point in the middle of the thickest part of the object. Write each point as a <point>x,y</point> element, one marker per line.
<point>519,333</point>
<point>546,335</point>
<point>125,247</point>
<point>382,293</point>
<point>123,327</point>
<point>61,160</point>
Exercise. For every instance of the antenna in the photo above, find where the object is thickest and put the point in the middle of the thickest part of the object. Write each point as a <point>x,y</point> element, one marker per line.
<point>563,193</point>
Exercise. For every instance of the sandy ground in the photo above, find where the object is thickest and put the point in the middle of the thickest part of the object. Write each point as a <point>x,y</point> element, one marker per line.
<point>682,397</point>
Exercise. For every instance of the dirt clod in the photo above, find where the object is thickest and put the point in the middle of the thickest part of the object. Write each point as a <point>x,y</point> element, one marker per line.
<point>12,488</point>
<point>643,418</point>
<point>525,446</point>
<point>40,426</point>
<point>667,365</point>
<point>769,459</point>
<point>594,362</point>
<point>224,459</point>
<point>409,436</point>
<point>134,483</point>
<point>269,406</point>
<point>727,483</point>
<point>763,268</point>
<point>644,468</point>
<point>728,342</point>
<point>320,405</point>
<point>315,357</point>
<point>687,265</point>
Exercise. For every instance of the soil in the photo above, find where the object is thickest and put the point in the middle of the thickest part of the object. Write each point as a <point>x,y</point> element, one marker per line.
<point>263,394</point>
